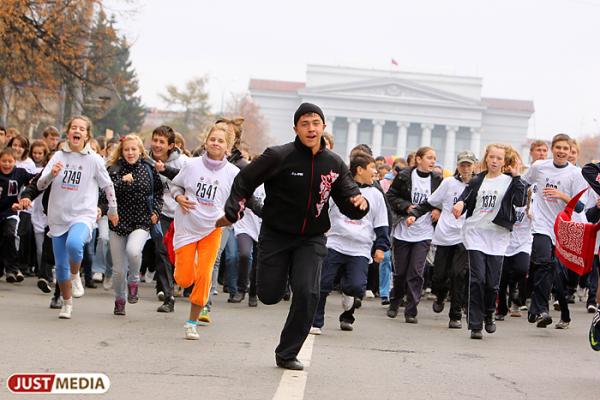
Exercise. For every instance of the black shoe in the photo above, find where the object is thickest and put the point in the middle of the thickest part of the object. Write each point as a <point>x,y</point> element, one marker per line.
<point>385,301</point>
<point>168,306</point>
<point>19,277</point>
<point>44,285</point>
<point>476,334</point>
<point>543,320</point>
<point>238,297</point>
<point>286,297</point>
<point>489,325</point>
<point>252,301</point>
<point>56,303</point>
<point>292,364</point>
<point>11,278</point>
<point>357,303</point>
<point>392,311</point>
<point>411,320</point>
<point>346,326</point>
<point>531,318</point>
<point>438,307</point>
<point>89,283</point>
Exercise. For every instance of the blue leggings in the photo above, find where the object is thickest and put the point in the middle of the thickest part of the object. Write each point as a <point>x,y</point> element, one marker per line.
<point>69,247</point>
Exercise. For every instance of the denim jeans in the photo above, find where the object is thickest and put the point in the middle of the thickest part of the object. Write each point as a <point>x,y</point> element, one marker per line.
<point>127,257</point>
<point>385,275</point>
<point>102,258</point>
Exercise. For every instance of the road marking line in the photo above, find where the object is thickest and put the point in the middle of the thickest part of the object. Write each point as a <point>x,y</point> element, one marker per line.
<point>292,383</point>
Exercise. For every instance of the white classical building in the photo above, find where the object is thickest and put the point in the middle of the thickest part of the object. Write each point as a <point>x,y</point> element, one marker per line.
<point>396,112</point>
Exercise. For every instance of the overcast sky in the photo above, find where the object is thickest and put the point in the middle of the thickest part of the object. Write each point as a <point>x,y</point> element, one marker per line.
<point>546,51</point>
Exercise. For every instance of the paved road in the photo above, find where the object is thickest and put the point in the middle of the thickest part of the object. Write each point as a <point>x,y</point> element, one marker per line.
<point>145,356</point>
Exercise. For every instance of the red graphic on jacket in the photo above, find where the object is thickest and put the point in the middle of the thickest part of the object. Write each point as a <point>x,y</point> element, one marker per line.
<point>325,190</point>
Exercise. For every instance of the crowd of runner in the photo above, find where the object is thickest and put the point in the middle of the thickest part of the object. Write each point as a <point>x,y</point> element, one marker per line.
<point>78,212</point>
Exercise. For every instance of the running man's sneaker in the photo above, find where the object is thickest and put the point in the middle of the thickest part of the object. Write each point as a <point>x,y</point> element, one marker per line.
<point>347,302</point>
<point>315,331</point>
<point>132,292</point>
<point>78,290</point>
<point>190,331</point>
<point>204,316</point>
<point>346,326</point>
<point>66,310</point>
<point>11,278</point>
<point>476,334</point>
<point>392,311</point>
<point>161,296</point>
<point>119,306</point>
<point>591,308</point>
<point>543,320</point>
<point>108,282</point>
<point>167,306</point>
<point>515,311</point>
<point>594,335</point>
<point>489,325</point>
<point>369,294</point>
<point>43,285</point>
<point>56,303</point>
<point>454,324</point>
<point>97,277</point>
<point>562,325</point>
<point>20,277</point>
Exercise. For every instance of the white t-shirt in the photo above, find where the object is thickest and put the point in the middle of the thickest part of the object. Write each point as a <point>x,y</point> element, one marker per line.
<point>567,179</point>
<point>521,237</point>
<point>479,232</point>
<point>250,222</point>
<point>355,237</point>
<point>169,203</point>
<point>210,190</point>
<point>448,230</point>
<point>422,229</point>
<point>74,195</point>
<point>27,165</point>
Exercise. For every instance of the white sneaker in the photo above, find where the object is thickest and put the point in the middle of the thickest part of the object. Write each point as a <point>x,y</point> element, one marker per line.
<point>149,276</point>
<point>65,311</point>
<point>78,290</point>
<point>369,294</point>
<point>347,302</point>
<point>190,332</point>
<point>315,331</point>
<point>592,309</point>
<point>97,277</point>
<point>108,282</point>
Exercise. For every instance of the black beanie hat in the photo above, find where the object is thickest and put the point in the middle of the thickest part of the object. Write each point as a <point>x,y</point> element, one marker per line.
<point>308,108</point>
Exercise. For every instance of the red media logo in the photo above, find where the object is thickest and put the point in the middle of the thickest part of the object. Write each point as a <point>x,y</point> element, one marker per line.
<point>77,383</point>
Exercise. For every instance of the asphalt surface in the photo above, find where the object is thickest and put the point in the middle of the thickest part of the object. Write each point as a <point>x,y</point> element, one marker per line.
<point>145,356</point>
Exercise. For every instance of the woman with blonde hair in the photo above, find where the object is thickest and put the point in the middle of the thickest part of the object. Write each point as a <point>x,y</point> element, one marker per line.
<point>139,191</point>
<point>489,200</point>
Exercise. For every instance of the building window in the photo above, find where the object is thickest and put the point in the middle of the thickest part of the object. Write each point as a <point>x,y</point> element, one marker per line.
<point>365,133</point>
<point>413,139</point>
<point>438,142</point>
<point>389,139</point>
<point>340,136</point>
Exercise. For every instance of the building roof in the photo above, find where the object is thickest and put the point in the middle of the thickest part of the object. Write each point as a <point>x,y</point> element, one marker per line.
<point>491,102</point>
<point>276,86</point>
<point>509,104</point>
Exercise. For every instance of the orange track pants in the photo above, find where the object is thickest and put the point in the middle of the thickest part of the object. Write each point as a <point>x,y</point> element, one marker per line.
<point>188,271</point>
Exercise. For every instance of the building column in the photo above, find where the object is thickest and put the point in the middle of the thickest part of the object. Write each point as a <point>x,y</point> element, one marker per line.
<point>352,134</point>
<point>426,134</point>
<point>450,146</point>
<point>377,136</point>
<point>476,141</point>
<point>402,138</point>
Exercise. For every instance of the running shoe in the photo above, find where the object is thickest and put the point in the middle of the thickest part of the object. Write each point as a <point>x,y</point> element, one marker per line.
<point>252,301</point>
<point>204,316</point>
<point>78,290</point>
<point>346,326</point>
<point>369,294</point>
<point>65,311</point>
<point>514,311</point>
<point>119,306</point>
<point>562,325</point>
<point>592,308</point>
<point>543,320</point>
<point>161,296</point>
<point>11,278</point>
<point>476,334</point>
<point>167,306</point>
<point>20,277</point>
<point>594,335</point>
<point>315,331</point>
<point>97,277</point>
<point>454,324</point>
<point>190,332</point>
<point>132,292</point>
<point>56,302</point>
<point>438,306</point>
<point>43,285</point>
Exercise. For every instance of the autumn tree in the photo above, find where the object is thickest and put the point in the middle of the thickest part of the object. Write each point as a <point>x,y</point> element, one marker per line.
<point>254,127</point>
<point>192,100</point>
<point>45,49</point>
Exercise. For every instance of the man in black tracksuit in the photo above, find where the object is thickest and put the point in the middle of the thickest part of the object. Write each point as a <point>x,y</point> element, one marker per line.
<point>299,178</point>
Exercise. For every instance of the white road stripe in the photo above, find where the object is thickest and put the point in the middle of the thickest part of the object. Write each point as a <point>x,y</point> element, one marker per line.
<point>293,383</point>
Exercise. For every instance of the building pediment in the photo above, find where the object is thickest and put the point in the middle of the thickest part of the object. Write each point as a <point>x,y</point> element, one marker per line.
<point>390,90</point>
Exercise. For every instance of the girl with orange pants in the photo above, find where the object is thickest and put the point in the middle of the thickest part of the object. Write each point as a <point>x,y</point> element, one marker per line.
<point>201,188</point>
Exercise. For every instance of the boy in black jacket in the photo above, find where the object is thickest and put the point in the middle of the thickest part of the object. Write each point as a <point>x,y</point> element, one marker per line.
<point>11,181</point>
<point>299,178</point>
